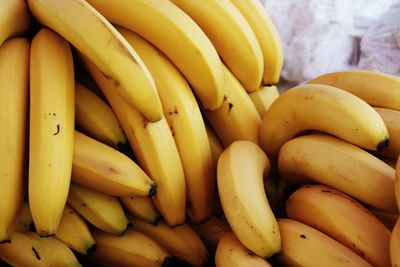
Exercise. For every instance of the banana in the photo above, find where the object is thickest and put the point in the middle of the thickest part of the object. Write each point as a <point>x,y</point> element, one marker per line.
<point>397,185</point>
<point>187,126</point>
<point>177,36</point>
<point>328,160</point>
<point>303,245</point>
<point>15,18</point>
<point>181,241</point>
<point>215,144</point>
<point>14,81</point>
<point>103,211</point>
<point>95,118</point>
<point>25,221</point>
<point>107,170</point>
<point>375,88</point>
<point>267,36</point>
<point>74,232</point>
<point>264,97</point>
<point>142,208</point>
<point>237,118</point>
<point>389,161</point>
<point>29,249</point>
<point>155,149</point>
<point>211,231</point>
<point>323,108</point>
<point>392,121</point>
<point>51,133</point>
<point>129,249</point>
<point>87,30</point>
<point>343,219</point>
<point>244,201</point>
<point>388,219</point>
<point>231,253</point>
<point>231,36</point>
<point>395,245</point>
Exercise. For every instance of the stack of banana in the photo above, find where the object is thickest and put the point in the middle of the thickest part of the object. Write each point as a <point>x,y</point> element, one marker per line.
<point>152,133</point>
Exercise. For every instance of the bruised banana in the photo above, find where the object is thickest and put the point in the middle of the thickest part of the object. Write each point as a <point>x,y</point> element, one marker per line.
<point>142,208</point>
<point>15,18</point>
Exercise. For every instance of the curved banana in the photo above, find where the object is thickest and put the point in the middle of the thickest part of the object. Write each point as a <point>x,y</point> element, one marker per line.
<point>388,219</point>
<point>74,232</point>
<point>264,97</point>
<point>29,249</point>
<point>376,88</point>
<point>95,118</point>
<point>395,245</point>
<point>343,219</point>
<point>397,185</point>
<point>231,36</point>
<point>267,36</point>
<point>303,245</point>
<point>181,241</point>
<point>107,170</point>
<point>94,36</point>
<point>103,211</point>
<point>142,208</point>
<point>155,149</point>
<point>15,18</point>
<point>391,118</point>
<point>51,133</point>
<point>25,221</point>
<point>328,160</point>
<point>237,118</point>
<point>231,253</point>
<point>211,231</point>
<point>14,82</point>
<point>244,201</point>
<point>215,144</point>
<point>177,36</point>
<point>323,108</point>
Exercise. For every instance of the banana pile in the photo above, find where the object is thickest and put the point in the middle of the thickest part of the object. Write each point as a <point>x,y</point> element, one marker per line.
<point>152,133</point>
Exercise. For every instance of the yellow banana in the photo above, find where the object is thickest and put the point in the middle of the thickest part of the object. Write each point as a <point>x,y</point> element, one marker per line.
<point>231,36</point>
<point>389,161</point>
<point>14,81</point>
<point>51,136</point>
<point>231,253</point>
<point>132,249</point>
<point>237,118</point>
<point>29,249</point>
<point>388,219</point>
<point>343,219</point>
<point>25,221</point>
<point>392,121</point>
<point>215,144</point>
<point>142,208</point>
<point>395,245</point>
<point>375,88</point>
<point>181,241</point>
<point>103,211</point>
<point>107,170</point>
<point>323,108</point>
<point>303,245</point>
<point>94,36</point>
<point>397,185</point>
<point>95,118</point>
<point>15,18</point>
<point>264,97</point>
<point>211,231</point>
<point>74,232</point>
<point>328,160</point>
<point>187,126</point>
<point>267,36</point>
<point>155,149</point>
<point>177,36</point>
<point>244,201</point>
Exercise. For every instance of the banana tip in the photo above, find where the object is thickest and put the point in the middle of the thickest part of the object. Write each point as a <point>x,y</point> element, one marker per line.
<point>384,143</point>
<point>152,191</point>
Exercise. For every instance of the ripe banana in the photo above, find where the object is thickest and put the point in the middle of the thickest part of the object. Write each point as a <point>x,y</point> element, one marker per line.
<point>103,211</point>
<point>154,148</point>
<point>211,231</point>
<point>95,118</point>
<point>303,245</point>
<point>392,121</point>
<point>74,232</point>
<point>14,81</point>
<point>397,185</point>
<point>375,88</point>
<point>343,219</point>
<point>244,201</point>
<point>231,36</point>
<point>142,208</point>
<point>267,36</point>
<point>51,133</point>
<point>215,144</point>
<point>328,160</point>
<point>129,249</point>
<point>87,30</point>
<point>389,161</point>
<point>181,241</point>
<point>107,170</point>
<point>263,98</point>
<point>323,108</point>
<point>15,18</point>
<point>231,253</point>
<point>29,249</point>
<point>388,219</point>
<point>25,221</point>
<point>237,118</point>
<point>395,245</point>
<point>177,36</point>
